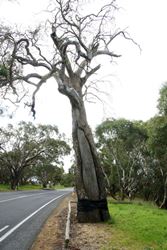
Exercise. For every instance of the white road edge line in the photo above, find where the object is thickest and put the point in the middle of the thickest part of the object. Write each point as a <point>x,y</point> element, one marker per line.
<point>2,229</point>
<point>27,218</point>
<point>20,197</point>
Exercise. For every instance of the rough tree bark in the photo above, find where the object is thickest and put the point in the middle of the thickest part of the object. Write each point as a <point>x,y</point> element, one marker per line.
<point>90,185</point>
<point>92,204</point>
<point>14,182</point>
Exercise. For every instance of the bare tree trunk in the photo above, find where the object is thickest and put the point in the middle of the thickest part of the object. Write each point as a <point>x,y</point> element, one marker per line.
<point>92,203</point>
<point>14,182</point>
<point>164,202</point>
<point>90,184</point>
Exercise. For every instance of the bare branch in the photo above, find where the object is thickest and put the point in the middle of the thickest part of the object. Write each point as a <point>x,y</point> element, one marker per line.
<point>28,77</point>
<point>105,52</point>
<point>81,68</point>
<point>125,35</point>
<point>89,73</point>
<point>77,40</point>
<point>38,86</point>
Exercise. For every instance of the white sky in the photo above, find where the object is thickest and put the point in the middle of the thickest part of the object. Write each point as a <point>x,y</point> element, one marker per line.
<point>136,77</point>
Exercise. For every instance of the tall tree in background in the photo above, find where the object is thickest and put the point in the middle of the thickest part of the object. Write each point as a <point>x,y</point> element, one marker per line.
<point>157,142</point>
<point>79,38</point>
<point>25,146</point>
<point>162,101</point>
<point>121,146</point>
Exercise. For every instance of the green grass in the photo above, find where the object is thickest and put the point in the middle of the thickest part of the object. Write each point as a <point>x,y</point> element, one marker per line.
<point>59,186</point>
<point>6,188</point>
<point>29,187</point>
<point>137,226</point>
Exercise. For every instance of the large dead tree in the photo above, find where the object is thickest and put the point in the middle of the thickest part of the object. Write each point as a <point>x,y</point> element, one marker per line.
<point>78,39</point>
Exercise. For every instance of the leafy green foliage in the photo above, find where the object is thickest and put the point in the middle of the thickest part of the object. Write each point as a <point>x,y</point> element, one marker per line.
<point>162,101</point>
<point>68,179</point>
<point>46,173</point>
<point>121,144</point>
<point>28,148</point>
<point>157,143</point>
<point>4,72</point>
<point>157,131</point>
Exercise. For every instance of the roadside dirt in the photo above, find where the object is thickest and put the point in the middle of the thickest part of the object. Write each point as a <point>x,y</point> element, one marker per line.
<point>82,236</point>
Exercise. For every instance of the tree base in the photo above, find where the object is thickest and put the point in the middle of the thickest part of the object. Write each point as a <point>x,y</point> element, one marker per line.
<point>90,211</point>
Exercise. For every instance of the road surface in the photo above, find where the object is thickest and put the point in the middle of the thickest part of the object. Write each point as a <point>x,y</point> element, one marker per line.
<point>22,214</point>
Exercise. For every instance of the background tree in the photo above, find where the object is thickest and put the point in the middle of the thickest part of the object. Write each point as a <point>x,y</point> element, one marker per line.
<point>4,174</point>
<point>79,38</point>
<point>49,167</point>
<point>24,146</point>
<point>121,145</point>
<point>133,155</point>
<point>162,101</point>
<point>47,173</point>
<point>68,179</point>
<point>157,130</point>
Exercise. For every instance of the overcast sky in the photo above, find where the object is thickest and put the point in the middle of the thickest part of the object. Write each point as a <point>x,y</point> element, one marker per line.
<point>135,78</point>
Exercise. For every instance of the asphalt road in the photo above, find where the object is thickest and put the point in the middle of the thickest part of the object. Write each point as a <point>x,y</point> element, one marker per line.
<point>22,214</point>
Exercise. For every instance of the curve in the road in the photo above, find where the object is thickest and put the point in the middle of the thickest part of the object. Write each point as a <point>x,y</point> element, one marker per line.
<point>27,218</point>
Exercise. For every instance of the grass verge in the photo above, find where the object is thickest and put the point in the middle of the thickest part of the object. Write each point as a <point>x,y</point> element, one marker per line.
<point>6,188</point>
<point>139,226</point>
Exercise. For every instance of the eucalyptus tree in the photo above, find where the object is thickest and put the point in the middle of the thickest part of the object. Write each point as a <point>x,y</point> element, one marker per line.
<point>68,179</point>
<point>157,142</point>
<point>49,166</point>
<point>46,173</point>
<point>121,146</point>
<point>23,147</point>
<point>79,36</point>
<point>162,101</point>
<point>4,174</point>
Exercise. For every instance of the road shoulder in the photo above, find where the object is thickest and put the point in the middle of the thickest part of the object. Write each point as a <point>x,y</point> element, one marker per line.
<point>83,236</point>
<point>51,235</point>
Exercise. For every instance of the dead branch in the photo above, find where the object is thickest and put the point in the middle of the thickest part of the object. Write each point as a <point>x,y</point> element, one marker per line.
<point>77,40</point>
